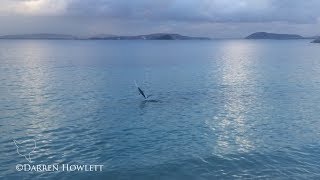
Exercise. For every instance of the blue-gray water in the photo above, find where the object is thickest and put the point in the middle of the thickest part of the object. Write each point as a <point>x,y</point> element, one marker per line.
<point>225,109</point>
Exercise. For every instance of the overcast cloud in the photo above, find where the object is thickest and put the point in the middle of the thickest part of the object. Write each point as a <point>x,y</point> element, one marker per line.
<point>213,18</point>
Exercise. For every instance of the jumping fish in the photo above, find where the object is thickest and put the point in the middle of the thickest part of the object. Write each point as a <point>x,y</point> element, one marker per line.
<point>140,90</point>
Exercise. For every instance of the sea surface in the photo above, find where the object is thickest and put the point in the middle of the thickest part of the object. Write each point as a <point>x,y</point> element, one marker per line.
<point>218,109</point>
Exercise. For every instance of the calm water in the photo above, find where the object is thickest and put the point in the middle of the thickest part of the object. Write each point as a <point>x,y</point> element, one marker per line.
<point>224,109</point>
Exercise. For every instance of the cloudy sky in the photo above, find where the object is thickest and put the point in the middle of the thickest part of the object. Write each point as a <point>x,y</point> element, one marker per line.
<point>212,18</point>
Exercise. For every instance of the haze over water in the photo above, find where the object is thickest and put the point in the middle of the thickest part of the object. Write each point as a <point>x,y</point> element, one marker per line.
<point>223,108</point>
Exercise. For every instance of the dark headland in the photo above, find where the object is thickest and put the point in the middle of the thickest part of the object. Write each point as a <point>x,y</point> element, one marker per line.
<point>157,36</point>
<point>265,35</point>
<point>316,40</point>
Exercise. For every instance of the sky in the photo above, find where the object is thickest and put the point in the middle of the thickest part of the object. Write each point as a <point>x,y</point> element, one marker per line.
<point>210,18</point>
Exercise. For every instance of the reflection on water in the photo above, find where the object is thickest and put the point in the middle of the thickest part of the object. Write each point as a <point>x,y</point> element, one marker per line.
<point>237,78</point>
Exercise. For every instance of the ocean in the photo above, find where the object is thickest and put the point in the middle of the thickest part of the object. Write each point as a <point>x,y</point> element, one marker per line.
<point>217,109</point>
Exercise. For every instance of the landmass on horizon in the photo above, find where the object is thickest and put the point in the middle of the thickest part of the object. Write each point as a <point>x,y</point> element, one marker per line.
<point>316,40</point>
<point>276,36</point>
<point>266,35</point>
<point>38,36</point>
<point>155,36</point>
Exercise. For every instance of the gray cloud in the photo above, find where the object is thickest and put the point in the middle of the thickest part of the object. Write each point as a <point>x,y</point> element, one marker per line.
<point>295,11</point>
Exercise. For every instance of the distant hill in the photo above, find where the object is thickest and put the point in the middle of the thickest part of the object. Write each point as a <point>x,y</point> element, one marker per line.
<point>265,35</point>
<point>38,36</point>
<point>316,40</point>
<point>158,36</point>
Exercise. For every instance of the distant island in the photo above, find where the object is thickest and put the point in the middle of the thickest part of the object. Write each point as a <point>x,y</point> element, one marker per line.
<point>265,35</point>
<point>157,36</point>
<point>38,36</point>
<point>316,40</point>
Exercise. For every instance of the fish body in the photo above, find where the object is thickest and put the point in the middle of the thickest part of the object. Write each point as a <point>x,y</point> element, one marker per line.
<point>140,90</point>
